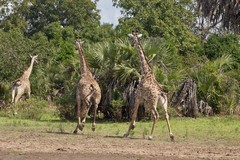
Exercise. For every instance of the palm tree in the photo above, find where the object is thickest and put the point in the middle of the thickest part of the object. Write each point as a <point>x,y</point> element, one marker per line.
<point>215,83</point>
<point>116,65</point>
<point>221,11</point>
<point>104,58</point>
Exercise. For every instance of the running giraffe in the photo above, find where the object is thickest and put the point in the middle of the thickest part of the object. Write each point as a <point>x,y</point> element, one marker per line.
<point>88,91</point>
<point>148,91</point>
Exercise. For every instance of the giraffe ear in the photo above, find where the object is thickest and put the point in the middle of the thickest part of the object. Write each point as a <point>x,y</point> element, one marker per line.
<point>36,58</point>
<point>140,35</point>
<point>77,44</point>
<point>130,35</point>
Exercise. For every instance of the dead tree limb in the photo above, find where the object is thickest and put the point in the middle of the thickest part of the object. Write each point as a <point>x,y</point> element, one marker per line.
<point>186,100</point>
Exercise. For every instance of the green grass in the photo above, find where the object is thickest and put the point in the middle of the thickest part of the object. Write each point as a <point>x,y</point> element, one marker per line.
<point>201,130</point>
<point>224,129</point>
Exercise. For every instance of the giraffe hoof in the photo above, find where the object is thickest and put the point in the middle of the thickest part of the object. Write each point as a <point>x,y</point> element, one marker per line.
<point>81,127</point>
<point>150,137</point>
<point>172,137</point>
<point>125,135</point>
<point>75,131</point>
<point>132,127</point>
<point>93,129</point>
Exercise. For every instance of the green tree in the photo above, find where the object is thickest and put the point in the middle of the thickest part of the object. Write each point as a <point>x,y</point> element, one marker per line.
<point>103,57</point>
<point>168,19</point>
<point>15,50</point>
<point>217,83</point>
<point>218,45</point>
<point>106,32</point>
<point>13,15</point>
<point>33,16</point>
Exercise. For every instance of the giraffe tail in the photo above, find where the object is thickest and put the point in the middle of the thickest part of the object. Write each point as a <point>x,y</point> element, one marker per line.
<point>92,91</point>
<point>16,83</point>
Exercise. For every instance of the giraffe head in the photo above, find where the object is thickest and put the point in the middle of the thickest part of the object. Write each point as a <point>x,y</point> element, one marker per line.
<point>134,37</point>
<point>79,43</point>
<point>34,58</point>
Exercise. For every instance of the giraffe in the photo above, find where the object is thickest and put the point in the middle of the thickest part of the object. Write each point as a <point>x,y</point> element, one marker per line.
<point>22,84</point>
<point>88,91</point>
<point>149,92</point>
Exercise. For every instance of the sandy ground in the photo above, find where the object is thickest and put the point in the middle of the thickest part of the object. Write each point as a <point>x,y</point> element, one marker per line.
<point>23,145</point>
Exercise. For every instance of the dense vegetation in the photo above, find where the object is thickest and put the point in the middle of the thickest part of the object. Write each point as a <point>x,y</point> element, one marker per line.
<point>182,39</point>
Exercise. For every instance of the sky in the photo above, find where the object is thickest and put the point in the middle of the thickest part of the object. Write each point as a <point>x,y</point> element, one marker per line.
<point>109,14</point>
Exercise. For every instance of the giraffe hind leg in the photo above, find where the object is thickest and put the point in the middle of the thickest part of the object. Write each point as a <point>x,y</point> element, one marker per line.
<point>19,94</point>
<point>13,100</point>
<point>13,94</point>
<point>82,116</point>
<point>163,101</point>
<point>155,117</point>
<point>94,116</point>
<point>78,112</point>
<point>29,92</point>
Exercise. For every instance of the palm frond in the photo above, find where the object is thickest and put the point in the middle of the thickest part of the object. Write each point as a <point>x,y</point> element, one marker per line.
<point>126,73</point>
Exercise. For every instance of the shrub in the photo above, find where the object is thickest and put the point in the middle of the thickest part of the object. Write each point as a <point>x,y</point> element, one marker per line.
<point>32,108</point>
<point>66,105</point>
<point>116,109</point>
<point>4,91</point>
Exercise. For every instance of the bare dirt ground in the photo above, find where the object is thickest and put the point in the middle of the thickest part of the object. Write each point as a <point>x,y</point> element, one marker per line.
<point>24,145</point>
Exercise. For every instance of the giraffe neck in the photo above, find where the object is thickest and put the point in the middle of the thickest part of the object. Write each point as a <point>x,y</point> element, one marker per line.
<point>28,72</point>
<point>145,67</point>
<point>83,63</point>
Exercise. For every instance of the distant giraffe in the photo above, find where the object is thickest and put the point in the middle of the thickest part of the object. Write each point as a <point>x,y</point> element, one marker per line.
<point>148,91</point>
<point>22,84</point>
<point>88,91</point>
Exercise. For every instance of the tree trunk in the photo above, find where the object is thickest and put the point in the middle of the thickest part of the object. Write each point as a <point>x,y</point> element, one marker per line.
<point>186,99</point>
<point>106,102</point>
<point>129,99</point>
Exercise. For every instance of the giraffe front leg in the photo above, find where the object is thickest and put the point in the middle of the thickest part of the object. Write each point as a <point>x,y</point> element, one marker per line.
<point>134,116</point>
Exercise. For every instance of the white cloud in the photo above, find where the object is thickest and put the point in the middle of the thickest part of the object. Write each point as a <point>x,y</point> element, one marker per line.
<point>109,14</point>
